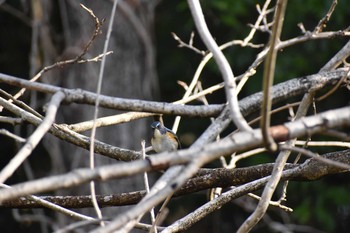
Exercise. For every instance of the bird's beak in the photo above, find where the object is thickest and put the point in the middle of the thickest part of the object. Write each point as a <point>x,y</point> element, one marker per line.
<point>155,124</point>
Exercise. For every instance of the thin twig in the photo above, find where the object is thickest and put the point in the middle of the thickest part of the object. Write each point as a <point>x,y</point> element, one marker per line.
<point>315,156</point>
<point>19,103</point>
<point>323,22</point>
<point>189,45</point>
<point>98,92</point>
<point>325,143</point>
<point>145,180</point>
<point>262,15</point>
<point>224,66</point>
<point>98,25</point>
<point>12,135</point>
<point>272,203</point>
<point>269,73</point>
<point>109,120</point>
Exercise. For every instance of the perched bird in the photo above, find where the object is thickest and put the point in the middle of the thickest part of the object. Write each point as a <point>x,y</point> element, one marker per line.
<point>163,138</point>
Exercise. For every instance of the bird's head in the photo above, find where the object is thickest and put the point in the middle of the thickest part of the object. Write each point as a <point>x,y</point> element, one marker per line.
<point>159,127</point>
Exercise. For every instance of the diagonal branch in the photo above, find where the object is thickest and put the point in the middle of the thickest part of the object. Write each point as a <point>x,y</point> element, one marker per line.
<point>34,139</point>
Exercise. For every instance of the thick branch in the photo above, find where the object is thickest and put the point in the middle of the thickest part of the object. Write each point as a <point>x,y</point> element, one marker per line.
<point>281,91</point>
<point>86,97</point>
<point>313,169</point>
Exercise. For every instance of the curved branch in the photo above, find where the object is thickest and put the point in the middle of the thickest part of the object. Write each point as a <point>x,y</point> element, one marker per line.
<point>221,61</point>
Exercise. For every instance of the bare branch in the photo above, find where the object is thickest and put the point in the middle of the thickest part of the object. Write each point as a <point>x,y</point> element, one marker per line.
<point>323,22</point>
<point>204,179</point>
<point>86,97</point>
<point>189,45</point>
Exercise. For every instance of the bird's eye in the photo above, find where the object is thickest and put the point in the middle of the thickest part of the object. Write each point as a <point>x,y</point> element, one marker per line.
<point>156,125</point>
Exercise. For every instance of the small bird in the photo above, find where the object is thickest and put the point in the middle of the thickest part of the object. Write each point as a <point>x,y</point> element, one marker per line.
<point>163,138</point>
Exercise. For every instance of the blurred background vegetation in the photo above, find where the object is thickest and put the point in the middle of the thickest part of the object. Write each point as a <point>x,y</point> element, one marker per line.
<point>323,206</point>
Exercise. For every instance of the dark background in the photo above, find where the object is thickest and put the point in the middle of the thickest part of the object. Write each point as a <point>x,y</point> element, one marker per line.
<point>320,206</point>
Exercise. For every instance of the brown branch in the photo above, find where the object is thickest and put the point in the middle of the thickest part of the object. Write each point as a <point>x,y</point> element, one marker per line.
<point>312,169</point>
